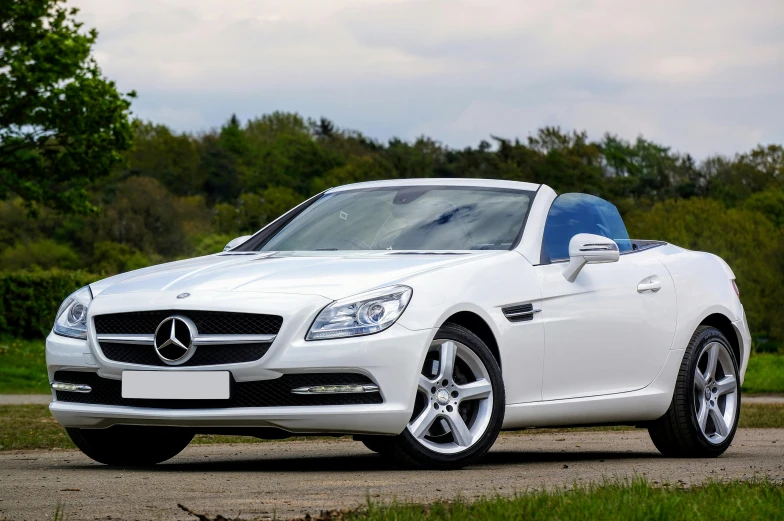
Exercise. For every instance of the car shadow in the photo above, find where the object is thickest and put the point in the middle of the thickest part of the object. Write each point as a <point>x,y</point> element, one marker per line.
<point>371,462</point>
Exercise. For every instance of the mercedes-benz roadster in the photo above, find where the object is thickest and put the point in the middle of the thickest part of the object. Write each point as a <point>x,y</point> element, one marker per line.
<point>420,316</point>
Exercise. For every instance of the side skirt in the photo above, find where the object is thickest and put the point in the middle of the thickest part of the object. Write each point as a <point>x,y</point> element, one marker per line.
<point>631,407</point>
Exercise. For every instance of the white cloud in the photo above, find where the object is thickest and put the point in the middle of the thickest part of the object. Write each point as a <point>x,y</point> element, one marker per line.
<point>701,76</point>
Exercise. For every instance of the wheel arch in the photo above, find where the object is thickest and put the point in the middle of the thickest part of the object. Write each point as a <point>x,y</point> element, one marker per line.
<point>724,324</point>
<point>478,326</point>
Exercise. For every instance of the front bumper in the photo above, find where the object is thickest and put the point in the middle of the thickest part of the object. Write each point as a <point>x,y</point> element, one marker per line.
<point>392,359</point>
<point>344,419</point>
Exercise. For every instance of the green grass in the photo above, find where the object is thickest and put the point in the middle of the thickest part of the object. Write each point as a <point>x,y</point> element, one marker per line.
<point>22,367</point>
<point>765,374</point>
<point>610,501</point>
<point>767,416</point>
<point>30,427</point>
<point>24,427</point>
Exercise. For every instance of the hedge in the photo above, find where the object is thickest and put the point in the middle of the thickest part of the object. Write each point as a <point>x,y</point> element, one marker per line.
<point>29,300</point>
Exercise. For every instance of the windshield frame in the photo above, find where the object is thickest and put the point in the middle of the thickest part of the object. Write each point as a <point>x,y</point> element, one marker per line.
<point>266,234</point>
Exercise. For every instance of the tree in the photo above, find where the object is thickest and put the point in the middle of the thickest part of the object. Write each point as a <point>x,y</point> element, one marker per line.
<point>171,158</point>
<point>62,124</point>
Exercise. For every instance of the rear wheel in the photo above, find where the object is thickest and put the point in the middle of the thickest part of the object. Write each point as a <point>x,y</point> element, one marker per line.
<point>459,406</point>
<point>131,446</point>
<point>703,416</point>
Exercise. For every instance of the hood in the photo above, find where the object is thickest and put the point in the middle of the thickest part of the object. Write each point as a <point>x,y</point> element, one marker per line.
<point>333,275</point>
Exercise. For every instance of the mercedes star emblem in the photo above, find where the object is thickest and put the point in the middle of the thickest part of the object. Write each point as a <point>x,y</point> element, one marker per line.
<point>174,340</point>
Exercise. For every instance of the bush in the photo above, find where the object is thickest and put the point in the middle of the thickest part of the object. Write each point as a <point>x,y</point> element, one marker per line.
<point>39,255</point>
<point>29,301</point>
<point>110,258</point>
<point>212,244</point>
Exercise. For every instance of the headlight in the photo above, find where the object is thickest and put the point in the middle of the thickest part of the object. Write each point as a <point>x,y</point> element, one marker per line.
<point>72,316</point>
<point>363,314</point>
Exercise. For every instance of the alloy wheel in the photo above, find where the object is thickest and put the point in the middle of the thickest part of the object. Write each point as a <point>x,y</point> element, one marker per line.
<point>715,392</point>
<point>454,399</point>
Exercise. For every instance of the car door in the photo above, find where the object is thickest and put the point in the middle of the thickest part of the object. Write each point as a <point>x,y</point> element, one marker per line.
<point>610,330</point>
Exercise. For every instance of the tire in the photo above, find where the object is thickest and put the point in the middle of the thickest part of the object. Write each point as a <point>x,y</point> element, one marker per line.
<point>379,444</point>
<point>131,446</point>
<point>447,397</point>
<point>700,423</point>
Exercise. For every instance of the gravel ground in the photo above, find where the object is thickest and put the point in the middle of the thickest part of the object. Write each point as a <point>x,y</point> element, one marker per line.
<point>291,479</point>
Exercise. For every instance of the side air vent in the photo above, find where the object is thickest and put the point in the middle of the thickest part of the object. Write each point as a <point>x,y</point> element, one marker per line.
<point>519,312</point>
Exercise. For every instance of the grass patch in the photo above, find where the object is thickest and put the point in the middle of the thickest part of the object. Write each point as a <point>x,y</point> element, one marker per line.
<point>765,374</point>
<point>23,367</point>
<point>623,501</point>
<point>33,427</point>
<point>761,416</point>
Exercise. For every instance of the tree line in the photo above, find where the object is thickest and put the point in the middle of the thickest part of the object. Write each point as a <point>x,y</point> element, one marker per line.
<point>181,194</point>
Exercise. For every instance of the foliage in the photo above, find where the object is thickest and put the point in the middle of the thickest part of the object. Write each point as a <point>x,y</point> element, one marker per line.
<point>29,301</point>
<point>212,244</point>
<point>62,124</point>
<point>147,217</point>
<point>42,254</point>
<point>113,257</point>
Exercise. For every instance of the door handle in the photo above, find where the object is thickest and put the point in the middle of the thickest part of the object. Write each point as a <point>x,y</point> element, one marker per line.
<point>649,285</point>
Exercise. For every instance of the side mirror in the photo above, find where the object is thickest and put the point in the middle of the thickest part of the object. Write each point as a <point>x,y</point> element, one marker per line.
<point>587,248</point>
<point>236,242</point>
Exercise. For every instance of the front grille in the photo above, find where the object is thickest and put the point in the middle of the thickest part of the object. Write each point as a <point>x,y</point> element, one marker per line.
<point>261,393</point>
<point>204,355</point>
<point>207,322</point>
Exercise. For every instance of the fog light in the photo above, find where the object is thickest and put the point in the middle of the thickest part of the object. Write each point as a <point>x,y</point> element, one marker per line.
<point>336,389</point>
<point>71,388</point>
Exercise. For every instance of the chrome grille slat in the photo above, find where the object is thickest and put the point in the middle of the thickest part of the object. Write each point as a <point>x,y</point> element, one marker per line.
<point>204,340</point>
<point>144,340</point>
<point>200,340</point>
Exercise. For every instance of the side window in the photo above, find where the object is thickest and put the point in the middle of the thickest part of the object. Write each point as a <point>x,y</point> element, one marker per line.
<point>571,214</point>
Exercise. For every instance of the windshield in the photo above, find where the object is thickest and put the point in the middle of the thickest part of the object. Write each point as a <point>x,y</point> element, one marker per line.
<point>407,218</point>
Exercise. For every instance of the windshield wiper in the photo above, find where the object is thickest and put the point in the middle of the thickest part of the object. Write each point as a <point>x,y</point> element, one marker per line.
<point>427,253</point>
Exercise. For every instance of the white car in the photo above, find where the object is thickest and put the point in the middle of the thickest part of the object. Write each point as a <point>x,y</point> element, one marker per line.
<point>420,316</point>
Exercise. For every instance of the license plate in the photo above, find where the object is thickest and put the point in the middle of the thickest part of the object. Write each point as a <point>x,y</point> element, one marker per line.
<point>175,385</point>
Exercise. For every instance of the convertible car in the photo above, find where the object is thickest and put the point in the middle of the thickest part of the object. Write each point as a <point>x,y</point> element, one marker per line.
<point>420,316</point>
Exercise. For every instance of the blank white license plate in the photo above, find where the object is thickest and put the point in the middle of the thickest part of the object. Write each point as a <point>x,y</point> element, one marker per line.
<point>171,385</point>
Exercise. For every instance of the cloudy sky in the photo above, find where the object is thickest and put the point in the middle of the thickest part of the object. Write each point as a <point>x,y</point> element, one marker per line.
<point>702,76</point>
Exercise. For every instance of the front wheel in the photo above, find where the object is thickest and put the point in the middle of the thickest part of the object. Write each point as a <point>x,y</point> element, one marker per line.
<point>131,446</point>
<point>703,416</point>
<point>459,406</point>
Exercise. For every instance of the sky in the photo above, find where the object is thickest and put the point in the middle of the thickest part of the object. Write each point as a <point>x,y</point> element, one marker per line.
<point>703,77</point>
